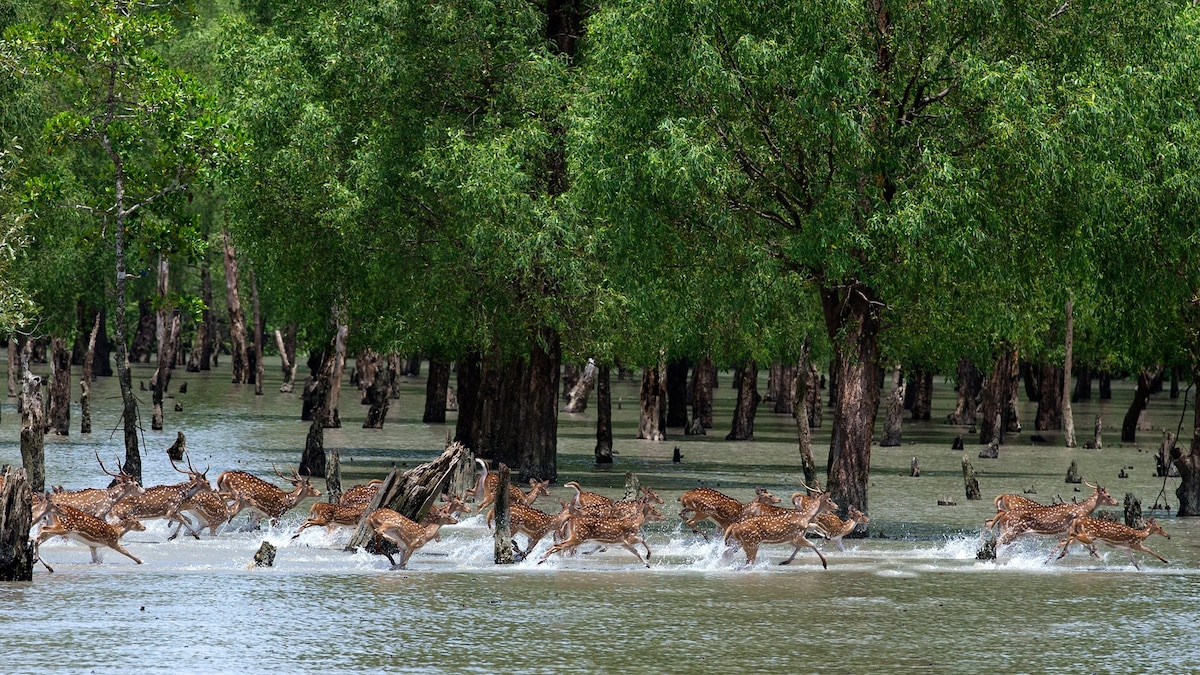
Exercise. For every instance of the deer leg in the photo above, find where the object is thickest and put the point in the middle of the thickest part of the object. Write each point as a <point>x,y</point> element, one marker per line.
<point>633,549</point>
<point>121,549</point>
<point>1142,547</point>
<point>804,542</point>
<point>96,554</point>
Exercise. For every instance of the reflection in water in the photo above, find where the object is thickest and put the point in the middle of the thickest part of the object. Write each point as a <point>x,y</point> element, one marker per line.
<point>915,600</point>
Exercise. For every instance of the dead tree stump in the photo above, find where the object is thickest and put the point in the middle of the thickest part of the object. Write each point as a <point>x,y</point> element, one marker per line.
<point>265,557</point>
<point>1133,512</point>
<point>16,516</point>
<point>1095,443</point>
<point>503,537</point>
<point>969,480</point>
<point>333,477</point>
<point>33,430</point>
<point>633,486</point>
<point>178,448</point>
<point>914,470</point>
<point>1073,473</point>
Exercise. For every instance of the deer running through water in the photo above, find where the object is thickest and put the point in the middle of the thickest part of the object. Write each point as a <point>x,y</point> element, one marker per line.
<point>1088,531</point>
<point>707,503</point>
<point>263,498</point>
<point>69,522</point>
<point>1049,520</point>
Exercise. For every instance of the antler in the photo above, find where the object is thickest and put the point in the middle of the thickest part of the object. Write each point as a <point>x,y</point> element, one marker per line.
<point>1089,485</point>
<point>104,468</point>
<point>817,489</point>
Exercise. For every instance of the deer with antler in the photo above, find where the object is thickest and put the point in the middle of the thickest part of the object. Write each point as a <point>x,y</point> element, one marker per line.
<point>67,521</point>
<point>787,526</point>
<point>407,535</point>
<point>96,501</point>
<point>1049,520</point>
<point>625,531</point>
<point>832,528</point>
<point>488,482</point>
<point>1088,531</point>
<point>164,501</point>
<point>707,503</point>
<point>263,498</point>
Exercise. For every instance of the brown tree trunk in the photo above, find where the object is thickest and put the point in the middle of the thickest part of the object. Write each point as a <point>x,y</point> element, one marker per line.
<point>1188,465</point>
<point>333,419</point>
<point>237,318</point>
<point>853,325</point>
<point>801,413</point>
<point>704,377</point>
<point>287,358</point>
<point>1050,390</point>
<point>33,428</point>
<point>259,333</point>
<point>996,397</point>
<point>968,392</point>
<point>144,336</point>
<point>379,394</point>
<point>412,367</point>
<point>1141,397</point>
<point>577,398</point>
<point>570,376</point>
<point>13,368</point>
<point>469,379</point>
<point>16,519</point>
<point>436,388</point>
<point>1068,418</point>
<point>650,422</point>
<point>85,381</point>
<point>206,331</point>
<point>60,388</point>
<point>539,432</point>
<point>166,327</point>
<point>1105,386</point>
<point>604,434</point>
<point>922,407</point>
<point>893,425</point>
<point>502,547</point>
<point>676,388</point>
<point>1032,376</point>
<point>785,393</point>
<point>748,399</point>
<point>1083,383</point>
<point>312,461</point>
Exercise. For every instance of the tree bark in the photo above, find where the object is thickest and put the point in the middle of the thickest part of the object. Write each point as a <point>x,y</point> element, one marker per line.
<point>577,398</point>
<point>604,433</point>
<point>33,428</point>
<point>1141,397</point>
<point>650,422</point>
<point>676,388</point>
<point>237,318</point>
<point>852,322</point>
<point>803,382</point>
<point>166,363</point>
<point>85,381</point>
<point>922,407</point>
<point>1105,386</point>
<point>60,388</point>
<point>333,419</point>
<point>333,478</point>
<point>129,412</point>
<point>13,368</point>
<point>1050,398</point>
<point>16,518</point>
<point>1188,465</point>
<point>704,377</point>
<point>996,396</point>
<point>968,393</point>
<point>206,329</point>
<point>539,433</point>
<point>469,378</point>
<point>1032,377</point>
<point>748,399</point>
<point>436,387</point>
<point>312,461</point>
<point>379,393</point>
<point>144,336</point>
<point>785,393</point>
<point>1083,384</point>
<point>287,358</point>
<point>1067,418</point>
<point>893,425</point>
<point>259,334</point>
<point>502,542</point>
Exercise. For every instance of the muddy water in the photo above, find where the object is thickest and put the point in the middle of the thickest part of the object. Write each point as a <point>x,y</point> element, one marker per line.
<point>910,599</point>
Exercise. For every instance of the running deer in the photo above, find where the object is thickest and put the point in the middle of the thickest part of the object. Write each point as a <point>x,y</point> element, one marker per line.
<point>604,530</point>
<point>209,509</point>
<point>70,522</point>
<point>96,501</point>
<point>1049,520</point>
<point>831,527</point>
<point>707,503</point>
<point>1087,531</point>
<point>535,524</point>
<point>331,516</point>
<point>361,494</point>
<point>487,483</point>
<point>407,535</point>
<point>164,501</point>
<point>1010,502</point>
<point>789,526</point>
<point>263,498</point>
<point>585,499</point>
<point>621,509</point>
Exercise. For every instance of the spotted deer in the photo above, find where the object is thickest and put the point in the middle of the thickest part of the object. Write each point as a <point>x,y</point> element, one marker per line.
<point>789,526</point>
<point>625,531</point>
<point>1049,520</point>
<point>263,498</point>
<point>831,527</point>
<point>407,535</point>
<point>70,522</point>
<point>488,482</point>
<point>331,516</point>
<point>164,501</point>
<point>535,524</point>
<point>706,503</point>
<point>1088,531</point>
<point>584,499</point>
<point>1010,502</point>
<point>623,508</point>
<point>209,509</point>
<point>96,501</point>
<point>361,494</point>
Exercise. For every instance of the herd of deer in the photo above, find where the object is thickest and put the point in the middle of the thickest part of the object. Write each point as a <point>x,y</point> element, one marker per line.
<point>100,517</point>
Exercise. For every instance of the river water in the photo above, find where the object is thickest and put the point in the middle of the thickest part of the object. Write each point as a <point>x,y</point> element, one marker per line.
<point>912,598</point>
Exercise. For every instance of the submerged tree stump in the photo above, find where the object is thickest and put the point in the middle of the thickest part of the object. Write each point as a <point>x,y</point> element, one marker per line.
<point>178,448</point>
<point>503,546</point>
<point>265,557</point>
<point>412,493</point>
<point>914,470</point>
<point>969,481</point>
<point>33,430</point>
<point>333,477</point>
<point>1073,473</point>
<point>1133,512</point>
<point>1095,443</point>
<point>16,504</point>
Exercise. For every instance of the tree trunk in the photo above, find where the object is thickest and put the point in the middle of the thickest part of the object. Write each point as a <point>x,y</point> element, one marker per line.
<point>1188,465</point>
<point>650,422</point>
<point>259,334</point>
<point>312,461</point>
<point>143,337</point>
<point>1033,377</point>
<point>570,376</point>
<point>803,382</point>
<point>33,428</point>
<point>893,425</point>
<point>333,478</point>
<point>13,368</point>
<point>1067,418</point>
<point>129,412</point>
<point>704,377</point>
<point>604,434</point>
<point>538,438</point>
<point>1105,386</point>
<point>412,367</point>
<point>922,407</point>
<point>287,358</point>
<point>853,326</point>
<point>206,329</point>
<point>577,398</point>
<point>1050,399</point>
<point>1083,384</point>
<point>785,394</point>
<point>237,318</point>
<point>166,363</point>
<point>812,398</point>
<point>1176,376</point>
<point>59,422</point>
<point>16,518</point>
<point>996,395</point>
<point>676,388</point>
<point>968,393</point>
<point>85,381</point>
<point>436,388</point>
<point>502,542</point>
<point>333,419</point>
<point>1141,397</point>
<point>469,379</point>
<point>748,399</point>
<point>379,393</point>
